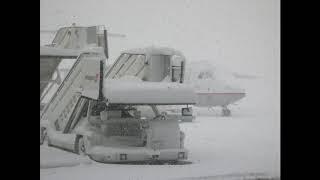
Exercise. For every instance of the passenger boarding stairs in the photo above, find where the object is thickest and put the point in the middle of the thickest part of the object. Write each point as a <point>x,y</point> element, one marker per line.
<point>83,81</point>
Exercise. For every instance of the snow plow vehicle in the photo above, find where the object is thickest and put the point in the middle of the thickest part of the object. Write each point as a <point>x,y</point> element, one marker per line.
<point>114,120</point>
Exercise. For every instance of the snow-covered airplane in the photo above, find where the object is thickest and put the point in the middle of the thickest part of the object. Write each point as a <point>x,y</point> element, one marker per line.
<point>214,86</point>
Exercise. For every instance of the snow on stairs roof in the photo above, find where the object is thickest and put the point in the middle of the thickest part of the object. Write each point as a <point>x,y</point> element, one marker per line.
<point>58,52</point>
<point>152,50</point>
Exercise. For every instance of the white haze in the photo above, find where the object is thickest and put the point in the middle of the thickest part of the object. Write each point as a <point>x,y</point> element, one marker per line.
<point>240,36</point>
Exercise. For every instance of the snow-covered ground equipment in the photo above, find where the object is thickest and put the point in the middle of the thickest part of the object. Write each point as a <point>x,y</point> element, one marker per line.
<point>109,119</point>
<point>161,64</point>
<point>153,64</point>
<point>68,43</point>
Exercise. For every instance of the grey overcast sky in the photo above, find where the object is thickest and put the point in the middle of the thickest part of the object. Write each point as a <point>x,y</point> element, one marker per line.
<point>243,35</point>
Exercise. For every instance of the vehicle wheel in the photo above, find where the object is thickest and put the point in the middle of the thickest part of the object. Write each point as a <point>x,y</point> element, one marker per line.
<point>41,136</point>
<point>80,147</point>
<point>173,162</point>
<point>226,112</point>
<point>44,137</point>
<point>46,141</point>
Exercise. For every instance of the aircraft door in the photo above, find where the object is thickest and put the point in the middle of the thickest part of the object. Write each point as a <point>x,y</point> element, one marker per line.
<point>177,68</point>
<point>160,67</point>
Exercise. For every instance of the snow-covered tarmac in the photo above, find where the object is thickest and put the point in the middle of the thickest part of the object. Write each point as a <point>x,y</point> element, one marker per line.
<point>220,147</point>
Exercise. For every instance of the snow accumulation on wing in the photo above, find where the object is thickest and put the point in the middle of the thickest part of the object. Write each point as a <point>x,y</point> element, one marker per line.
<point>153,50</point>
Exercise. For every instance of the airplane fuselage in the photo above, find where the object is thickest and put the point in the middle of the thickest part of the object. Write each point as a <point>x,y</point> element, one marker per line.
<point>211,99</point>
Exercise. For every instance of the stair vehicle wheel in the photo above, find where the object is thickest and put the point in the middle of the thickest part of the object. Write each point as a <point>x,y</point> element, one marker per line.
<point>44,137</point>
<point>226,112</point>
<point>80,147</point>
